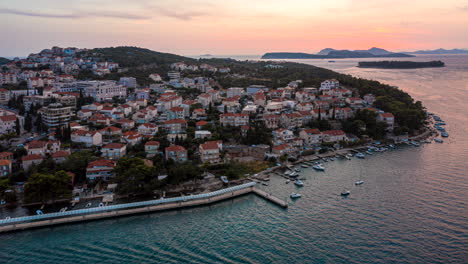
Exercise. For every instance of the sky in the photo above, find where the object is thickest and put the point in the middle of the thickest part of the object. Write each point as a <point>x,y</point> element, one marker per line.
<point>191,27</point>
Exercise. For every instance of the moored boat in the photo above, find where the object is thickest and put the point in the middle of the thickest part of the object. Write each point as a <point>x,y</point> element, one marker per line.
<point>295,195</point>
<point>438,140</point>
<point>345,193</point>
<point>318,167</point>
<point>360,155</point>
<point>299,183</point>
<point>359,182</point>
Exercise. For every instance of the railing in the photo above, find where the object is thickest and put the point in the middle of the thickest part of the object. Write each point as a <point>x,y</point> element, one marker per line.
<point>124,206</point>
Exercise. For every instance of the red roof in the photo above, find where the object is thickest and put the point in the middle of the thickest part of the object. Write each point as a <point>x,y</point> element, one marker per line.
<point>31,157</point>
<point>36,144</point>
<point>61,154</point>
<point>387,115</point>
<point>175,148</point>
<point>334,132</point>
<point>175,121</point>
<point>8,118</point>
<point>101,163</point>
<point>113,146</point>
<point>152,143</point>
<point>211,144</point>
<point>201,123</point>
<point>5,154</point>
<point>312,131</point>
<point>5,162</point>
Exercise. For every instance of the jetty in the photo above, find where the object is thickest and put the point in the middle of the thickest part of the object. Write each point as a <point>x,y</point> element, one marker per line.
<point>103,212</point>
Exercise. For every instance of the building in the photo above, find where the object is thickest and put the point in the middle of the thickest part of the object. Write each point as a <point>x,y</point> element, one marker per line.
<point>56,115</point>
<point>175,126</point>
<point>5,167</point>
<point>210,151</point>
<point>88,138</point>
<point>311,136</point>
<point>30,160</point>
<point>234,91</point>
<point>4,96</point>
<point>329,84</point>
<point>114,151</point>
<point>333,136</point>
<point>176,153</point>
<point>388,119</point>
<point>100,170</point>
<point>148,129</point>
<point>129,82</point>
<point>233,119</point>
<point>152,148</point>
<point>102,90</point>
<point>7,124</point>
<point>60,156</point>
<point>42,148</point>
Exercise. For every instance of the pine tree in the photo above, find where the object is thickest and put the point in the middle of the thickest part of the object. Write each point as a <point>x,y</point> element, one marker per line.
<point>18,127</point>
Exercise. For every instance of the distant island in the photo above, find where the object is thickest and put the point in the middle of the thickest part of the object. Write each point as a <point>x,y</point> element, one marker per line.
<point>329,53</point>
<point>4,60</point>
<point>400,64</point>
<point>439,51</point>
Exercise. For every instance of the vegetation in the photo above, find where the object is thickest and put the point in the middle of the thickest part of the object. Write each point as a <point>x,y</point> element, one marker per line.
<point>400,64</point>
<point>45,187</point>
<point>4,60</point>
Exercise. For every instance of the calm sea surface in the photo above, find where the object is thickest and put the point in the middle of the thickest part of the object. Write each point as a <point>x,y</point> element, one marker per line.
<point>412,207</point>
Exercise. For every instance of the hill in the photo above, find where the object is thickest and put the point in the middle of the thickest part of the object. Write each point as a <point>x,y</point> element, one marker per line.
<point>4,60</point>
<point>133,56</point>
<point>400,64</point>
<point>439,51</point>
<point>329,53</point>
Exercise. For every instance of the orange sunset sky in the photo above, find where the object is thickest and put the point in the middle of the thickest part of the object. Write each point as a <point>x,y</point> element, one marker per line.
<point>192,27</point>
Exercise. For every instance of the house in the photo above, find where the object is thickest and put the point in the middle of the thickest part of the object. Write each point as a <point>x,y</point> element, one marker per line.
<point>114,151</point>
<point>233,119</point>
<point>60,156</point>
<point>259,98</point>
<point>126,124</point>
<point>176,153</point>
<point>311,136</point>
<point>175,126</point>
<point>333,136</point>
<point>210,151</point>
<point>292,120</point>
<point>152,148</point>
<point>6,155</point>
<point>88,138</point>
<point>200,124</point>
<point>204,99</point>
<point>132,137</point>
<point>148,129</point>
<point>4,96</point>
<point>355,102</point>
<point>100,170</point>
<point>201,134</point>
<point>84,114</point>
<point>329,84</point>
<point>234,92</point>
<point>306,106</point>
<point>283,149</point>
<point>342,113</point>
<point>282,135</point>
<point>369,99</point>
<point>199,114</point>
<point>42,147</point>
<point>5,167</point>
<point>388,119</point>
<point>7,124</point>
<point>30,160</point>
<point>271,121</point>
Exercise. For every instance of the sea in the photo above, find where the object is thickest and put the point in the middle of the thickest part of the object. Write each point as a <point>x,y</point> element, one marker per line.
<point>412,207</point>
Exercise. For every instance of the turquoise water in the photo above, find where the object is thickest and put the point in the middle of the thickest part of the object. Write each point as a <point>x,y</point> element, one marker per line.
<point>411,208</point>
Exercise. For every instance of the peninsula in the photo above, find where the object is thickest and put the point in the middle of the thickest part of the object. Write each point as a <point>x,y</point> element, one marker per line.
<point>329,53</point>
<point>400,64</point>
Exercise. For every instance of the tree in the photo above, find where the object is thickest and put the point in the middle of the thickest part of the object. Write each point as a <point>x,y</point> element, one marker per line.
<point>47,187</point>
<point>77,163</point>
<point>28,123</point>
<point>134,177</point>
<point>183,172</point>
<point>18,127</point>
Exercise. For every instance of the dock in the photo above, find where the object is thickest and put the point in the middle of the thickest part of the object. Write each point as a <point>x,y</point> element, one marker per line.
<point>270,198</point>
<point>90,214</point>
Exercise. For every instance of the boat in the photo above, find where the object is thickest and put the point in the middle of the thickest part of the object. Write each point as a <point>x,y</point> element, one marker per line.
<point>295,195</point>
<point>318,167</point>
<point>438,140</point>
<point>297,169</point>
<point>287,173</point>
<point>444,134</point>
<point>39,212</point>
<point>332,159</point>
<point>325,159</point>
<point>391,146</point>
<point>299,183</point>
<point>63,209</point>
<point>369,153</point>
<point>304,166</point>
<point>294,175</point>
<point>288,181</point>
<point>101,204</point>
<point>331,61</point>
<point>345,193</point>
<point>360,155</point>
<point>2,202</point>
<point>414,143</point>
<point>88,205</point>
<point>359,182</point>
<point>264,183</point>
<point>440,124</point>
<point>224,179</point>
<point>348,157</point>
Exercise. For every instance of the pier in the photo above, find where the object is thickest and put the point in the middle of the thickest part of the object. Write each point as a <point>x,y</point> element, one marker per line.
<point>89,214</point>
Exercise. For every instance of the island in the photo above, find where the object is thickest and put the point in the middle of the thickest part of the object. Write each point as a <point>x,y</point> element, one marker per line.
<point>400,64</point>
<point>329,53</point>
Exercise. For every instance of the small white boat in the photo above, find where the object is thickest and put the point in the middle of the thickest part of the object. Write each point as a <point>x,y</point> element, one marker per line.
<point>360,155</point>
<point>88,205</point>
<point>319,167</point>
<point>264,183</point>
<point>63,209</point>
<point>299,183</point>
<point>345,193</point>
<point>288,181</point>
<point>39,212</point>
<point>224,179</point>
<point>438,140</point>
<point>332,159</point>
<point>348,157</point>
<point>304,166</point>
<point>297,169</point>
<point>369,153</point>
<point>295,195</point>
<point>359,182</point>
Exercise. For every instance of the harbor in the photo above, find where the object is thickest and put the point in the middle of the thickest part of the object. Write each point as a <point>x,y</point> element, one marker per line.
<point>90,214</point>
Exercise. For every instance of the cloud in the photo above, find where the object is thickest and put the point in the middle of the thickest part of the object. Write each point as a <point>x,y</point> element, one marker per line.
<point>75,14</point>
<point>184,15</point>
